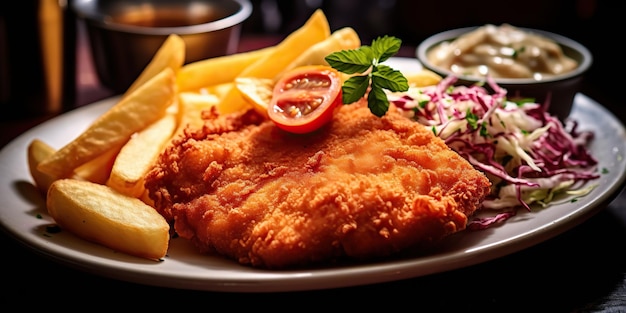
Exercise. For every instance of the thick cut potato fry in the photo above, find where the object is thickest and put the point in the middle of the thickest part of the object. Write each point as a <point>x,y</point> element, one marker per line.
<point>171,54</point>
<point>112,129</point>
<point>190,109</point>
<point>258,91</point>
<point>218,91</point>
<point>215,71</point>
<point>315,29</point>
<point>97,170</point>
<point>37,152</point>
<point>137,156</point>
<point>342,39</point>
<point>102,215</point>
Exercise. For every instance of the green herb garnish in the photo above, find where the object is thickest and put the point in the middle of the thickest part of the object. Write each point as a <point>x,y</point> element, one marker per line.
<point>522,101</point>
<point>472,119</point>
<point>367,61</point>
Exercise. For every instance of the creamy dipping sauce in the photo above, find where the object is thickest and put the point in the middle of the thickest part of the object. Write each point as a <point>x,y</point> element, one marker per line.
<point>502,52</point>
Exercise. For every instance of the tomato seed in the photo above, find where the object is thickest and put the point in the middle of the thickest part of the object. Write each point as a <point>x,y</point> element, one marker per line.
<point>300,108</point>
<point>306,83</point>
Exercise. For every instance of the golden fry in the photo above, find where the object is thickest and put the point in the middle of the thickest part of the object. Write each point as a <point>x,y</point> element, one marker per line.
<point>97,170</point>
<point>37,152</point>
<point>102,215</point>
<point>316,29</point>
<point>343,39</point>
<point>112,129</point>
<point>258,91</point>
<point>218,91</point>
<point>136,157</point>
<point>215,71</point>
<point>171,54</point>
<point>190,109</point>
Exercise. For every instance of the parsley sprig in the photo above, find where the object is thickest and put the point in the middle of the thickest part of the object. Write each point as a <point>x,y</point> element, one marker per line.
<point>367,61</point>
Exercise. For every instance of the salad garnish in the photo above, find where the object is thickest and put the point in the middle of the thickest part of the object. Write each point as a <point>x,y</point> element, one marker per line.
<point>530,156</point>
<point>366,62</point>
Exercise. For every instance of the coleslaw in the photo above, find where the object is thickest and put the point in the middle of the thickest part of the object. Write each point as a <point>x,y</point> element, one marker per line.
<point>530,156</point>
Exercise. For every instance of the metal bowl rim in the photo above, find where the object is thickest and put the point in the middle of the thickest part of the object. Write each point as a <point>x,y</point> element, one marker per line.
<point>85,9</point>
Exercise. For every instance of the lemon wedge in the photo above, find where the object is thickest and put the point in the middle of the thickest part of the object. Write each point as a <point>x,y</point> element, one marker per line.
<point>422,78</point>
<point>257,91</point>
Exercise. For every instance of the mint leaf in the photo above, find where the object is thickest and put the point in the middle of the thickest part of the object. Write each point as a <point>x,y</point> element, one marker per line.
<point>385,47</point>
<point>377,102</point>
<point>366,61</point>
<point>351,61</point>
<point>354,88</point>
<point>388,78</point>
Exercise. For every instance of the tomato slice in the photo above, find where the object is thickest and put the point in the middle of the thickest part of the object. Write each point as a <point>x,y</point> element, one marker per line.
<point>305,98</point>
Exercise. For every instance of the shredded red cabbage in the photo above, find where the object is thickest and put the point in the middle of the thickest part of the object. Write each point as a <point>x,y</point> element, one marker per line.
<point>529,155</point>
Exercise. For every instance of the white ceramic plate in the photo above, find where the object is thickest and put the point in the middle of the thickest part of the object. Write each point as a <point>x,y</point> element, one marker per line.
<point>23,214</point>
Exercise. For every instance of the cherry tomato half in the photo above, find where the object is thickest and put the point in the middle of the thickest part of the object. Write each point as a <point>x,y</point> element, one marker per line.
<point>305,98</point>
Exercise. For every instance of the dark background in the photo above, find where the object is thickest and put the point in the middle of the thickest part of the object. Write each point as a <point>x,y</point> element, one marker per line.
<point>582,270</point>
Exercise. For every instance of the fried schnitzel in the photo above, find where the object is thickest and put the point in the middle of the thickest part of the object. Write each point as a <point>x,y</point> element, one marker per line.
<point>362,187</point>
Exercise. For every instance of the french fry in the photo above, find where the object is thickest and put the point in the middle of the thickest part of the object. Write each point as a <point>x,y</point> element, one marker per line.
<point>112,129</point>
<point>219,90</point>
<point>37,152</point>
<point>171,54</point>
<point>102,215</point>
<point>215,71</point>
<point>258,91</point>
<point>98,169</point>
<point>137,156</point>
<point>191,105</point>
<point>342,39</point>
<point>315,29</point>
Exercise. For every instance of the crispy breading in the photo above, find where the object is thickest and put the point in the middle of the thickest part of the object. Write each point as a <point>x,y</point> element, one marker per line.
<point>362,187</point>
